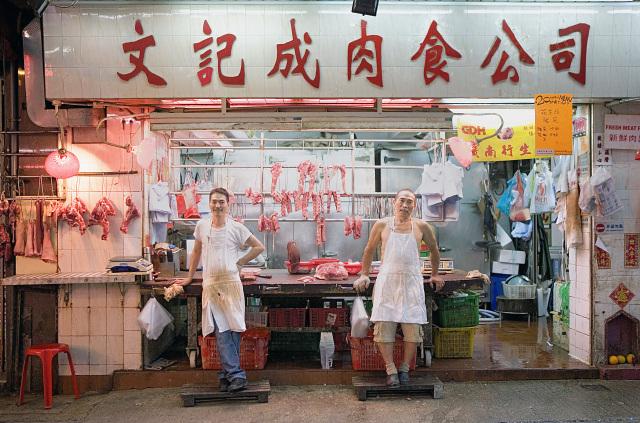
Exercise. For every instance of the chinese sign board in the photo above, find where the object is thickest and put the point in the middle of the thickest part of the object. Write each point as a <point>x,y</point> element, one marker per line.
<point>554,127</point>
<point>322,50</point>
<point>498,138</point>
<point>621,295</point>
<point>622,131</point>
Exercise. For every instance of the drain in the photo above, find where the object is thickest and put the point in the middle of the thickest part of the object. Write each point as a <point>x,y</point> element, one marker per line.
<point>594,387</point>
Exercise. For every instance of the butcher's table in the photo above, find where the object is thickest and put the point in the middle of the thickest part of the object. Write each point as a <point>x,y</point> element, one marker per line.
<point>279,283</point>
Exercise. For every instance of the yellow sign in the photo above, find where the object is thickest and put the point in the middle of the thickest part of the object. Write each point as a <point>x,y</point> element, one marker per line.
<point>554,128</point>
<point>510,143</point>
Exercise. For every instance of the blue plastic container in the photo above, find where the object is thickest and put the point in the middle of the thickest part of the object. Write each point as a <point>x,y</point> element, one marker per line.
<point>496,288</point>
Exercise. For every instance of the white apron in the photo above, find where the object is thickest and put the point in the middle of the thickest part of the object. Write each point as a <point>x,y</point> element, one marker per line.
<point>398,293</point>
<point>222,294</point>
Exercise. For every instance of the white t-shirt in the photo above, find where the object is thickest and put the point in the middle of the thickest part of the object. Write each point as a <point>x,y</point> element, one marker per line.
<point>237,235</point>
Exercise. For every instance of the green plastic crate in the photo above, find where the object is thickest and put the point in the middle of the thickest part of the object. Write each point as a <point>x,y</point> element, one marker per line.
<point>458,312</point>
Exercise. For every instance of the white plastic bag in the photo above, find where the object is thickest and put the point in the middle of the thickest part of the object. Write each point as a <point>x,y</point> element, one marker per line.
<point>359,319</point>
<point>587,198</point>
<point>153,319</point>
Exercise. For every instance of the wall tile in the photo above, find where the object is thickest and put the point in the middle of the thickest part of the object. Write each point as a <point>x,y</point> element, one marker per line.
<point>115,350</point>
<point>98,321</point>
<point>133,361</point>
<point>114,296</point>
<point>97,369</point>
<point>80,349</point>
<point>115,321</point>
<point>132,296</point>
<point>80,321</point>
<point>64,322</point>
<point>97,295</point>
<point>132,342</point>
<point>98,349</point>
<point>131,319</point>
<point>80,295</point>
<point>114,367</point>
<point>81,369</point>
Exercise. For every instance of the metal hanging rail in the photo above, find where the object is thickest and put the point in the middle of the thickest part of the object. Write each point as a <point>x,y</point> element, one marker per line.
<point>213,166</point>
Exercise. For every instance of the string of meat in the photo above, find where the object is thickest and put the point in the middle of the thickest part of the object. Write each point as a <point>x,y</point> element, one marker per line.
<point>73,212</point>
<point>321,231</point>
<point>353,226</point>
<point>99,215</point>
<point>255,197</point>
<point>131,213</point>
<point>276,171</point>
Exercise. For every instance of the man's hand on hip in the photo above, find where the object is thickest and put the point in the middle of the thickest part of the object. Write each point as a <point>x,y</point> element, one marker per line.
<point>361,284</point>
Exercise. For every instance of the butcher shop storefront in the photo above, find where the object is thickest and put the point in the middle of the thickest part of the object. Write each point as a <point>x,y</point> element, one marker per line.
<point>313,118</point>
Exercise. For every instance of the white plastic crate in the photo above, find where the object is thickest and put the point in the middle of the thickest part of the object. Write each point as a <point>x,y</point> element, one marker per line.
<point>256,319</point>
<point>519,291</point>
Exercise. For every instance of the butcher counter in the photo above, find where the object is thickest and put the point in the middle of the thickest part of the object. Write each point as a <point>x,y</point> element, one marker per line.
<point>279,283</point>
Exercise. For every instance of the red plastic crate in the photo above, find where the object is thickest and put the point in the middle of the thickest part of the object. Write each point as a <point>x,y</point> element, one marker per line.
<point>254,349</point>
<point>318,317</point>
<point>365,354</point>
<point>287,317</point>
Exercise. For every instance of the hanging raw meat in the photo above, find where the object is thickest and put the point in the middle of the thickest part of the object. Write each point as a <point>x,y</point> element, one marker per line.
<point>336,200</point>
<point>357,227</point>
<point>316,201</point>
<point>343,176</point>
<point>130,214</point>
<point>305,204</point>
<point>39,229</point>
<point>321,231</point>
<point>312,173</point>
<point>276,171</point>
<point>29,250</point>
<point>285,203</point>
<point>326,179</point>
<point>21,229</point>
<point>48,253</point>
<point>73,212</point>
<point>275,225</point>
<point>303,170</point>
<point>332,272</point>
<point>255,197</point>
<point>264,223</point>
<point>293,255</point>
<point>4,204</point>
<point>328,202</point>
<point>348,225</point>
<point>99,215</point>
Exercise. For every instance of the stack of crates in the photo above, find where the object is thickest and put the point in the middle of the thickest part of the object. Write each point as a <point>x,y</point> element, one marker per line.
<point>254,349</point>
<point>456,318</point>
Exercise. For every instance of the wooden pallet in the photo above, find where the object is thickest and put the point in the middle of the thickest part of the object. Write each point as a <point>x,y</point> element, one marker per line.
<point>367,387</point>
<point>192,394</point>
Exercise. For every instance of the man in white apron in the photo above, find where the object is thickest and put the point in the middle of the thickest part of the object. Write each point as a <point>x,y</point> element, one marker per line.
<point>398,294</point>
<point>219,241</point>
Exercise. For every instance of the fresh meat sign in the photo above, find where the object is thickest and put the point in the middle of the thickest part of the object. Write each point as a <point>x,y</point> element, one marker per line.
<point>317,49</point>
<point>622,132</point>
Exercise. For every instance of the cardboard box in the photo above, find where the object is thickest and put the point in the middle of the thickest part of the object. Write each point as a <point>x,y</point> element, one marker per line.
<point>505,268</point>
<point>512,256</point>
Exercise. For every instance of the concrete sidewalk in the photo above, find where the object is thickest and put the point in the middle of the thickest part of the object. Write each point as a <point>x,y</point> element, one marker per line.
<point>530,401</point>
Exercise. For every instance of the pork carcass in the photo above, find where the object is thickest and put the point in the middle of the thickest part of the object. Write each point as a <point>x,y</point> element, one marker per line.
<point>331,272</point>
<point>321,231</point>
<point>336,200</point>
<point>29,250</point>
<point>357,227</point>
<point>131,213</point>
<point>100,213</point>
<point>255,197</point>
<point>39,229</point>
<point>275,225</point>
<point>343,176</point>
<point>48,253</point>
<point>348,225</point>
<point>276,171</point>
<point>21,230</point>
<point>293,255</point>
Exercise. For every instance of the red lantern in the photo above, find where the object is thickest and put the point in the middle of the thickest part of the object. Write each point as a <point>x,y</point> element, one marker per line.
<point>62,164</point>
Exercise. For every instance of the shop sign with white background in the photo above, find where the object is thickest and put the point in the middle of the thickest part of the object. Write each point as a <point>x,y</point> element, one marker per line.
<point>321,50</point>
<point>622,132</point>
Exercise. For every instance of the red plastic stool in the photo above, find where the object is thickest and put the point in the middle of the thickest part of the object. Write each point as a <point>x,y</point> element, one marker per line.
<point>46,352</point>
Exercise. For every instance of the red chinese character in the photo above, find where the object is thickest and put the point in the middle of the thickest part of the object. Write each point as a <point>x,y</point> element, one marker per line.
<point>301,60</point>
<point>205,73</point>
<point>562,60</point>
<point>489,152</point>
<point>433,62</point>
<point>141,46</point>
<point>524,149</point>
<point>507,150</point>
<point>364,53</point>
<point>501,73</point>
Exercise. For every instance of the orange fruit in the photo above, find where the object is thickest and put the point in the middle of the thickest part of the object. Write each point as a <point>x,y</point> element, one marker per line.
<point>613,359</point>
<point>631,358</point>
<point>621,359</point>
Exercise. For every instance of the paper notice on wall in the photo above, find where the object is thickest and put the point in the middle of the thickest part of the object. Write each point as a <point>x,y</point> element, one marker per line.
<point>609,201</point>
<point>602,155</point>
<point>601,244</point>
